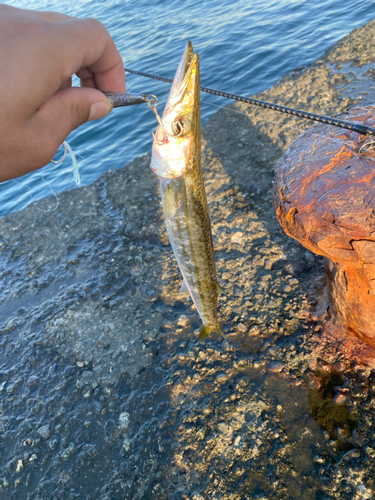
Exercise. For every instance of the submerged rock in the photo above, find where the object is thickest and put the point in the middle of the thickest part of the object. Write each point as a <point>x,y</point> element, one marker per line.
<point>44,431</point>
<point>32,380</point>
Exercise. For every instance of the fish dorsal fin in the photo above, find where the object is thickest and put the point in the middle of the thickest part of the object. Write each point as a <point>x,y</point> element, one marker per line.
<point>169,208</point>
<point>184,288</point>
<point>220,289</point>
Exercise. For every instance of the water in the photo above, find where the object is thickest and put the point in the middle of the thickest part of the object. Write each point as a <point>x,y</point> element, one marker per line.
<point>245,46</point>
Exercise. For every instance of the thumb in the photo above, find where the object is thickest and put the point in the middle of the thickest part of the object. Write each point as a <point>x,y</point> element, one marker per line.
<point>66,110</point>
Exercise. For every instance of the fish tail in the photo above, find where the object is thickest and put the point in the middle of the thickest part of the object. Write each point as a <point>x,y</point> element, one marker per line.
<point>206,330</point>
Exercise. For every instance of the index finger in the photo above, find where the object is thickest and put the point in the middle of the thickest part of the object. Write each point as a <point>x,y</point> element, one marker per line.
<point>62,48</point>
<point>89,47</point>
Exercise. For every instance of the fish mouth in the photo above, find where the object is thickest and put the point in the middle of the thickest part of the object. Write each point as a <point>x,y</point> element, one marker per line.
<point>186,70</point>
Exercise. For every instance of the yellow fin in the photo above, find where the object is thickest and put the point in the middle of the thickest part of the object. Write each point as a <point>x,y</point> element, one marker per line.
<point>220,289</point>
<point>206,330</point>
<point>168,208</point>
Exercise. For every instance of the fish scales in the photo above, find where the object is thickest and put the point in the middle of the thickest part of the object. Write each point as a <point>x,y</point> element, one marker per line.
<point>176,158</point>
<point>190,236</point>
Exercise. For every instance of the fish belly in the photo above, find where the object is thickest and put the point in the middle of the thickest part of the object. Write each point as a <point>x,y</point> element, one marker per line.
<point>189,232</point>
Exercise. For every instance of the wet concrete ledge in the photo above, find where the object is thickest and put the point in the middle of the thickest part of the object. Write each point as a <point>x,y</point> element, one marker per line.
<point>105,391</point>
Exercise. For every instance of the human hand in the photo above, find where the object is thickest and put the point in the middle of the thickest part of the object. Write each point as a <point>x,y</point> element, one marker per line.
<point>39,53</point>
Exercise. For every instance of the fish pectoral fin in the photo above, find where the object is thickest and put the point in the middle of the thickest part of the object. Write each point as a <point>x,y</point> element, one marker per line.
<point>220,289</point>
<point>169,208</point>
<point>184,288</point>
<point>206,330</point>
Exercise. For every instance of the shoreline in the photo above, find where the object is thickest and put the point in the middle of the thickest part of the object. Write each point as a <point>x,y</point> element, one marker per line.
<point>106,391</point>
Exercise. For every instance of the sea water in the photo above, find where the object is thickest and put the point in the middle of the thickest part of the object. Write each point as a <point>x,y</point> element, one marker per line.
<point>245,46</point>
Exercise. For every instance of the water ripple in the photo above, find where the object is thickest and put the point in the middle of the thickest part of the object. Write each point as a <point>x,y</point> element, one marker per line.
<point>244,47</point>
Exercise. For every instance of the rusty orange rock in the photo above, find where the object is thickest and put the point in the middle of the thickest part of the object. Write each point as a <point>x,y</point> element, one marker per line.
<point>324,196</point>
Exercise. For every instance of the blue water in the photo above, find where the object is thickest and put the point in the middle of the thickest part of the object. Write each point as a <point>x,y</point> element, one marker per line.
<point>244,47</point>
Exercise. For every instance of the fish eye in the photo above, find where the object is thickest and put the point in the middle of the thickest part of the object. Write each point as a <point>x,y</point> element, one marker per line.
<point>181,126</point>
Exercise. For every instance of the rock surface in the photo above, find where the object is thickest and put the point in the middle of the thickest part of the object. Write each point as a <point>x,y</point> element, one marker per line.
<point>136,407</point>
<point>324,195</point>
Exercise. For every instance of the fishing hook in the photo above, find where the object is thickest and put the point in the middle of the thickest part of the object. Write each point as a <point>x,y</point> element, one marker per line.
<point>152,104</point>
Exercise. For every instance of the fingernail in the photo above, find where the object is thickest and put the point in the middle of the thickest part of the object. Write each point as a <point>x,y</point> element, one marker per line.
<point>99,110</point>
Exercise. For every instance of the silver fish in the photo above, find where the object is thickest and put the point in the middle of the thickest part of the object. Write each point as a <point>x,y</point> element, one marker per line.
<point>176,159</point>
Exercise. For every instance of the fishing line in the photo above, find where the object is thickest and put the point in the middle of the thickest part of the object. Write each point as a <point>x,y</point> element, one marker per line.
<point>299,130</point>
<point>49,209</point>
<point>76,177</point>
<point>75,167</point>
<point>68,150</point>
<point>356,127</point>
